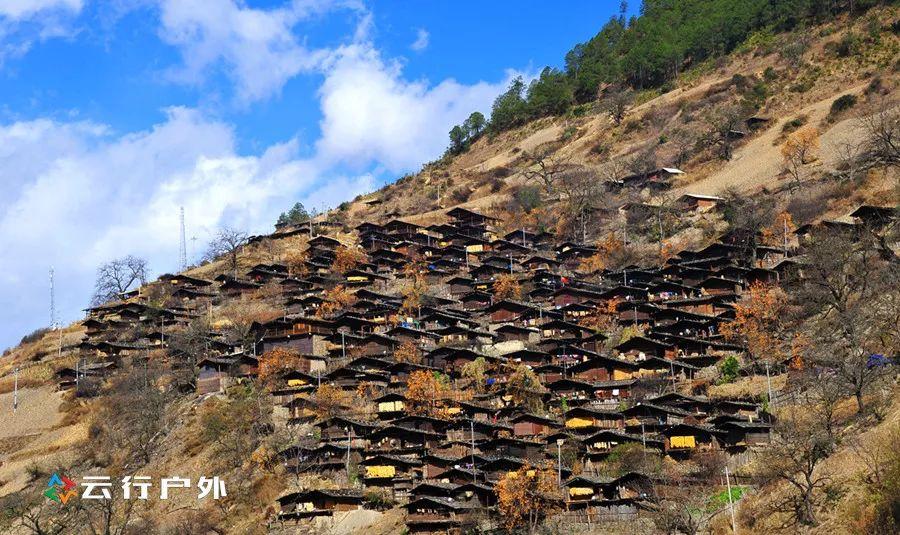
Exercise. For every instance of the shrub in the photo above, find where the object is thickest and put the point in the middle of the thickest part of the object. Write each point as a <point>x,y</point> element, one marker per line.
<point>600,149</point>
<point>875,86</point>
<point>527,198</point>
<point>729,368</point>
<point>502,172</point>
<point>848,45</point>
<point>841,104</point>
<point>794,124</point>
<point>460,196</point>
<point>34,335</point>
<point>379,500</point>
<point>35,472</point>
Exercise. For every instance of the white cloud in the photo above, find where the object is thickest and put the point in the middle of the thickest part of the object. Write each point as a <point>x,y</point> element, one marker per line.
<point>372,114</point>
<point>421,42</point>
<point>92,196</point>
<point>24,22</point>
<point>22,9</point>
<point>256,48</point>
<point>77,194</point>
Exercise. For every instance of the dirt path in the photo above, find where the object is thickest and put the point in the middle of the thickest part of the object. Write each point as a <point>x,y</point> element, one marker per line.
<point>38,410</point>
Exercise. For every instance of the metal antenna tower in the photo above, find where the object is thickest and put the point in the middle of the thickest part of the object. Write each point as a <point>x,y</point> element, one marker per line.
<point>182,249</point>
<point>52,301</point>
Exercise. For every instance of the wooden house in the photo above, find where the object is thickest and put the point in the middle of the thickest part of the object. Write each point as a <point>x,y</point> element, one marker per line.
<point>320,502</point>
<point>432,514</point>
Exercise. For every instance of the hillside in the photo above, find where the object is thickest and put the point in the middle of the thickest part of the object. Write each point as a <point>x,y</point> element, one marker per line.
<point>574,324</point>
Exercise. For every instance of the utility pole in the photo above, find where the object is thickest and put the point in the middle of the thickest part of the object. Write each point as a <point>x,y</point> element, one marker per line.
<point>769,384</point>
<point>52,301</point>
<point>182,244</point>
<point>349,440</point>
<point>784,222</point>
<point>472,434</point>
<point>16,392</point>
<point>659,220</point>
<point>672,371</point>
<point>559,443</point>
<point>730,501</point>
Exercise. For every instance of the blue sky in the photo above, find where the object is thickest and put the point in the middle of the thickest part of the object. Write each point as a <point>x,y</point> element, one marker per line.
<point>114,113</point>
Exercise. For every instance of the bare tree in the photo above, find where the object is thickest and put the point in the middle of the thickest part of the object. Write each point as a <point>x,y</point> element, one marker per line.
<point>850,158</point>
<point>849,292</point>
<point>545,167</point>
<point>799,444</point>
<point>227,242</point>
<point>580,188</point>
<point>824,391</point>
<point>746,217</point>
<point>643,162</point>
<point>118,276</point>
<point>881,123</point>
<point>190,341</point>
<point>684,142</point>
<point>615,101</point>
<point>29,514</point>
<point>614,170</point>
<point>724,127</point>
<point>131,419</point>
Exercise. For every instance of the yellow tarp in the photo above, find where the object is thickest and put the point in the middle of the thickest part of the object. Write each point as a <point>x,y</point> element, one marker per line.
<point>296,382</point>
<point>619,375</point>
<point>580,491</point>
<point>390,406</point>
<point>380,471</point>
<point>579,422</point>
<point>683,442</point>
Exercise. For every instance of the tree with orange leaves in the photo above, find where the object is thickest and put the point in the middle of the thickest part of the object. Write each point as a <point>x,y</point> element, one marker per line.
<point>274,363</point>
<point>527,496</point>
<point>413,291</point>
<point>798,150</point>
<point>425,392</point>
<point>592,264</point>
<point>295,260</point>
<point>507,287</point>
<point>331,401</point>
<point>347,258</point>
<point>774,235</point>
<point>334,299</point>
<point>602,318</point>
<point>762,322</point>
<point>668,250</point>
<point>610,250</point>
<point>408,352</point>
